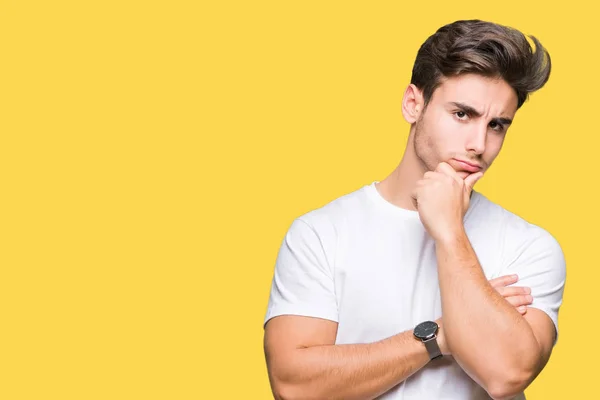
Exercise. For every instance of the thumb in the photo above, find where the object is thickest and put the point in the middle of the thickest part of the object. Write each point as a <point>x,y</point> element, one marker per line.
<point>471,180</point>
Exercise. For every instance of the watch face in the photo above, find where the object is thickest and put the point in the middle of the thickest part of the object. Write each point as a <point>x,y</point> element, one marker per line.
<point>426,330</point>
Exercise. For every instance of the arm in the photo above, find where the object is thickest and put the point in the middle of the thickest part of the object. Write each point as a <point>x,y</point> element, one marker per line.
<point>498,348</point>
<point>301,327</point>
<point>302,358</point>
<point>303,361</point>
<point>493,343</point>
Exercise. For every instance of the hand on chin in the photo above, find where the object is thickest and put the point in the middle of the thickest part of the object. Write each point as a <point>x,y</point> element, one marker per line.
<point>463,174</point>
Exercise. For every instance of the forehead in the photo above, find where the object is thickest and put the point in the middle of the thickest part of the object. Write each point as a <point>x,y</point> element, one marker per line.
<point>477,91</point>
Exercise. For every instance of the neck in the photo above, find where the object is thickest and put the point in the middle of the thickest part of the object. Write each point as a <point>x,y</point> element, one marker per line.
<point>398,186</point>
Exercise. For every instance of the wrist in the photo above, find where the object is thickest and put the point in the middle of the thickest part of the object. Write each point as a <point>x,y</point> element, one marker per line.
<point>428,333</point>
<point>450,236</point>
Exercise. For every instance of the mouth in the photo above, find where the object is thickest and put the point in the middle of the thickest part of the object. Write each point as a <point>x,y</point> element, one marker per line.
<point>467,166</point>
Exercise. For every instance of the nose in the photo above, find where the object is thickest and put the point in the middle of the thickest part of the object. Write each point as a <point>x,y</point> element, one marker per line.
<point>477,138</point>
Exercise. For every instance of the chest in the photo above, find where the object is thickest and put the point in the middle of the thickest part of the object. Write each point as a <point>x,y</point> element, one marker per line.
<point>386,280</point>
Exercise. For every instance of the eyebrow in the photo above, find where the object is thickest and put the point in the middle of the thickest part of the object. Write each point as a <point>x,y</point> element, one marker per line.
<point>471,111</point>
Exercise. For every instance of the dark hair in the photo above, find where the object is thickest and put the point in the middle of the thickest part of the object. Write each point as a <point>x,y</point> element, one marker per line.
<point>484,48</point>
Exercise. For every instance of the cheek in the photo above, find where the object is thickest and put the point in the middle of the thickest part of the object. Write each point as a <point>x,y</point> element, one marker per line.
<point>493,147</point>
<point>446,125</point>
<point>424,142</point>
<point>439,136</point>
<point>448,133</point>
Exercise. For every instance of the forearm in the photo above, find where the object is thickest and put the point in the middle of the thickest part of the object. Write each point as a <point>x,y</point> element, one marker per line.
<point>350,371</point>
<point>486,335</point>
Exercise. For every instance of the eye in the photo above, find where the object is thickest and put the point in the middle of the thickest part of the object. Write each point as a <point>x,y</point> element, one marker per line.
<point>496,126</point>
<point>461,115</point>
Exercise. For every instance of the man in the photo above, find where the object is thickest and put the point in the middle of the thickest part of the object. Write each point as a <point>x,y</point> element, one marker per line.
<point>405,288</point>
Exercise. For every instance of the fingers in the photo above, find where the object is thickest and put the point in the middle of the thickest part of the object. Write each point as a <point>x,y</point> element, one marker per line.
<point>431,174</point>
<point>504,280</point>
<point>472,179</point>
<point>518,296</point>
<point>513,291</point>
<point>520,301</point>
<point>446,169</point>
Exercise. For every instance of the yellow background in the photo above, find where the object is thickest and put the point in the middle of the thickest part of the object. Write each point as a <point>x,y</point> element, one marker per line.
<point>153,155</point>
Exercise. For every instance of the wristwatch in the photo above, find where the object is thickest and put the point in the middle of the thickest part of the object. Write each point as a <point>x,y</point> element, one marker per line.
<point>426,332</point>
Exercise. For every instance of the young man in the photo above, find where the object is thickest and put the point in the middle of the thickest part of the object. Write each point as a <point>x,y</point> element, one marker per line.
<point>404,289</point>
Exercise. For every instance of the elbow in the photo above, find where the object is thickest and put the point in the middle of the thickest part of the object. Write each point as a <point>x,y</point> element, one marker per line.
<point>508,385</point>
<point>297,391</point>
<point>291,392</point>
<point>502,393</point>
<point>512,375</point>
<point>287,384</point>
<point>288,391</point>
<point>282,390</point>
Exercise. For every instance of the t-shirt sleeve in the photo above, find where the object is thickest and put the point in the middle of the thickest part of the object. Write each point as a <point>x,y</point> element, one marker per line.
<point>540,265</point>
<point>302,281</point>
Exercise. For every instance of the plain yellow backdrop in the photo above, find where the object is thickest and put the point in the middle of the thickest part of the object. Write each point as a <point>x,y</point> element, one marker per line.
<point>153,155</point>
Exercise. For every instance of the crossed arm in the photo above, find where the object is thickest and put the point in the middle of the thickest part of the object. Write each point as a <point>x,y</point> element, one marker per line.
<point>496,346</point>
<point>303,361</point>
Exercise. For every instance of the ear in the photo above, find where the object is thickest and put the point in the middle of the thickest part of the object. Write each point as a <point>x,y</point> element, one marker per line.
<point>412,104</point>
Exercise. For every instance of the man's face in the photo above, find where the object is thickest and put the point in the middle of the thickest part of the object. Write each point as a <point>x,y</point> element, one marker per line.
<point>465,120</point>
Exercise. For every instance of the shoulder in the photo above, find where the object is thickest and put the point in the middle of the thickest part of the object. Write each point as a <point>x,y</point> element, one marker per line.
<point>333,216</point>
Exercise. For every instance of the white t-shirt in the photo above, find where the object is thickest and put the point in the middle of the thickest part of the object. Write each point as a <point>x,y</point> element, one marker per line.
<point>371,267</point>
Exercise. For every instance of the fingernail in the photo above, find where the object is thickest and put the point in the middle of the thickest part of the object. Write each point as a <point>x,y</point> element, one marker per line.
<point>529,298</point>
<point>527,290</point>
<point>521,308</point>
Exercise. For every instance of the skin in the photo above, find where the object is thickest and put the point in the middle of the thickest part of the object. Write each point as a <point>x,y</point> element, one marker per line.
<point>444,133</point>
<point>302,359</point>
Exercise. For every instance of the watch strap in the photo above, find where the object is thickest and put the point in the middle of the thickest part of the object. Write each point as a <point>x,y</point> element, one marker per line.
<point>433,348</point>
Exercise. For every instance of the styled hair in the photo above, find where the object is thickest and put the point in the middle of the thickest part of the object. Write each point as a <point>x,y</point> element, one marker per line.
<point>484,48</point>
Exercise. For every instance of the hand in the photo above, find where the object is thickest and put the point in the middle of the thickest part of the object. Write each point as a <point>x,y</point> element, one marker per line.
<point>442,199</point>
<point>518,296</point>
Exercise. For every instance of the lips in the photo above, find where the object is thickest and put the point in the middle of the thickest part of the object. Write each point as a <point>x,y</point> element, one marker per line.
<point>467,166</point>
